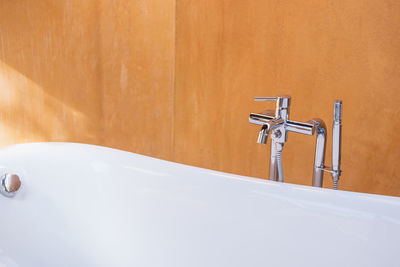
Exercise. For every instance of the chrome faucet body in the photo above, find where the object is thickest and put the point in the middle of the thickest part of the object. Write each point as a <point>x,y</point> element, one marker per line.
<point>277,125</point>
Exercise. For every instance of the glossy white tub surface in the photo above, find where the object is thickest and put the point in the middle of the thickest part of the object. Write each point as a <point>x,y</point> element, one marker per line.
<point>83,205</point>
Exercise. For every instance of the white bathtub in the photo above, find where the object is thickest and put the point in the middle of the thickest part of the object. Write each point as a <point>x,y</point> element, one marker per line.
<point>82,205</point>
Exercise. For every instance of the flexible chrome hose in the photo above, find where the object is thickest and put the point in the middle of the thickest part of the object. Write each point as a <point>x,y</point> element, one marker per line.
<point>335,184</point>
<point>335,181</point>
<point>279,161</point>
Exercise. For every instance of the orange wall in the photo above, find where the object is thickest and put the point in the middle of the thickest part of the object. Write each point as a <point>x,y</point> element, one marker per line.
<point>88,71</point>
<point>49,72</point>
<point>175,79</point>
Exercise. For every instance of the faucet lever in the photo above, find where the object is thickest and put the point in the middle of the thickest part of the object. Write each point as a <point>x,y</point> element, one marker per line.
<point>262,117</point>
<point>265,99</point>
<point>282,105</point>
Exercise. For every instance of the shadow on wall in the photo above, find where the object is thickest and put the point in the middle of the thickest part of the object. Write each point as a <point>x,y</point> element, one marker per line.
<point>101,69</point>
<point>29,113</point>
<point>49,80</point>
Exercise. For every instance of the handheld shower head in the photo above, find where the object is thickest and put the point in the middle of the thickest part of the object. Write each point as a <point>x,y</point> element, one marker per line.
<point>336,141</point>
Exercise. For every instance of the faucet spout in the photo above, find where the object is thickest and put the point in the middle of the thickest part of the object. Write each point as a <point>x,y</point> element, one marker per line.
<point>263,135</point>
<point>267,128</point>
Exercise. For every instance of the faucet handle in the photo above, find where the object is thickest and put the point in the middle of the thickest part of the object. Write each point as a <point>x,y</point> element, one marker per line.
<point>265,98</point>
<point>282,105</point>
<point>282,101</point>
<point>262,117</point>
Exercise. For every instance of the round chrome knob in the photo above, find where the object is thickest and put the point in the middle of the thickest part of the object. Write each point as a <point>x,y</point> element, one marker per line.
<point>10,183</point>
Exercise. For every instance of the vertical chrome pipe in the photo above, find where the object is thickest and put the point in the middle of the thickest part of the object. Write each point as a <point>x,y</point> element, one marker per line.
<point>336,142</point>
<point>273,164</point>
<point>319,160</point>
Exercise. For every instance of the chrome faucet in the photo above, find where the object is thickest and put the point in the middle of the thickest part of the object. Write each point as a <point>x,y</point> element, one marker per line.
<point>277,125</point>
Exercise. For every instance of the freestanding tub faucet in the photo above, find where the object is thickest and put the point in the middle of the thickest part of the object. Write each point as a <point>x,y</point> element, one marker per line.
<point>277,125</point>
